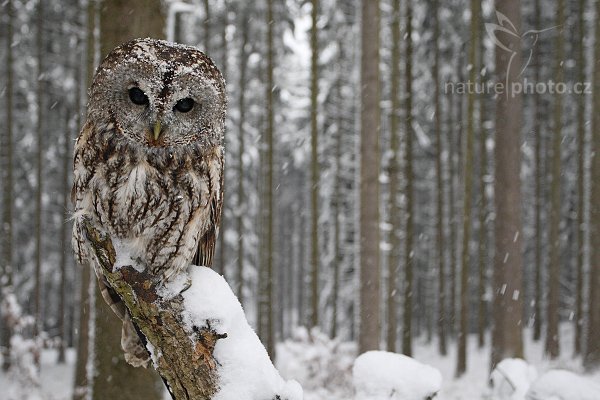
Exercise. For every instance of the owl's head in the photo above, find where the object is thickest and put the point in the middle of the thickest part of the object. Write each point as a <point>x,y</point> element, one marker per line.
<point>160,94</point>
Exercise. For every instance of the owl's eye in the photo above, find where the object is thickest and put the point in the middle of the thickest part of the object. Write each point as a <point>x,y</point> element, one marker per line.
<point>137,96</point>
<point>185,105</point>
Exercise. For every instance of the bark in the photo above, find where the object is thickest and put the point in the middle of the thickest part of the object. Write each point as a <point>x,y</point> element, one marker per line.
<point>207,26</point>
<point>539,178</point>
<point>241,197</point>
<point>580,181</point>
<point>124,20</point>
<point>37,327</point>
<point>441,320</point>
<point>482,309</point>
<point>394,178</point>
<point>314,167</point>
<point>337,201</point>
<point>452,217</point>
<point>186,363</point>
<point>269,183</point>
<point>461,365</point>
<point>370,324</point>
<point>552,347</point>
<point>508,259</point>
<point>6,155</point>
<point>121,21</point>
<point>408,176</point>
<point>64,239</point>
<point>592,353</point>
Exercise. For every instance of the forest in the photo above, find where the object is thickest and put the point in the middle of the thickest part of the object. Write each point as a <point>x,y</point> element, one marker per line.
<point>416,177</point>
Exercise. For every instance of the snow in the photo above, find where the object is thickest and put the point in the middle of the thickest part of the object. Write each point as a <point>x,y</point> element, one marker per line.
<point>324,368</point>
<point>563,385</point>
<point>244,368</point>
<point>511,378</point>
<point>381,375</point>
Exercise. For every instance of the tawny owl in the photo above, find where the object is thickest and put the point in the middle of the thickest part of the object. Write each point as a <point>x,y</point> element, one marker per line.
<point>148,166</point>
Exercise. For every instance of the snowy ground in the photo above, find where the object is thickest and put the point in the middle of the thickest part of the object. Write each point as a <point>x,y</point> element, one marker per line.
<point>324,383</point>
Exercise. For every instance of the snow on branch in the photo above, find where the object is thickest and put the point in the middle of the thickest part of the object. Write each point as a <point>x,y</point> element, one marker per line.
<point>199,339</point>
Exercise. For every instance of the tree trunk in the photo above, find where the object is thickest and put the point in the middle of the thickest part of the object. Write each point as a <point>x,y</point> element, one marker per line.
<point>121,21</point>
<point>37,327</point>
<point>580,181</point>
<point>441,320</point>
<point>370,324</point>
<point>408,176</point>
<point>394,178</point>
<point>241,195</point>
<point>64,236</point>
<point>482,310</point>
<point>592,354</point>
<point>452,133</point>
<point>552,333</point>
<point>539,178</point>
<point>269,183</point>
<point>314,167</point>
<point>6,155</point>
<point>461,365</point>
<point>508,259</point>
<point>82,384</point>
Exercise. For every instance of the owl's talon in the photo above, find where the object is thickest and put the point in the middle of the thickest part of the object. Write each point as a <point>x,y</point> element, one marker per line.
<point>186,285</point>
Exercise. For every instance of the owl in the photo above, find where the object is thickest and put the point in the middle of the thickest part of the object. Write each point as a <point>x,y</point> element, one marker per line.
<point>148,163</point>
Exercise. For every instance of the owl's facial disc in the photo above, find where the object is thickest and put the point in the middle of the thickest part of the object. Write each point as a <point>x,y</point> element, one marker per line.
<point>160,94</point>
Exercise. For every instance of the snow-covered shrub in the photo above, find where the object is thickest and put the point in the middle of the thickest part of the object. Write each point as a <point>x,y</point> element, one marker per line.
<point>381,375</point>
<point>511,378</point>
<point>24,383</point>
<point>320,364</point>
<point>559,384</point>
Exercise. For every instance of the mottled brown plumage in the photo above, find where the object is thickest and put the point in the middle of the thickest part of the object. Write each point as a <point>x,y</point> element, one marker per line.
<point>148,167</point>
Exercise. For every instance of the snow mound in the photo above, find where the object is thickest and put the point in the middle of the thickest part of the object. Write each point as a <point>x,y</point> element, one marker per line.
<point>511,378</point>
<point>244,367</point>
<point>321,364</point>
<point>380,375</point>
<point>559,384</point>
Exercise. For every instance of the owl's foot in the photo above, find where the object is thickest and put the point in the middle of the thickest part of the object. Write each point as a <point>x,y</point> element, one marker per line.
<point>174,286</point>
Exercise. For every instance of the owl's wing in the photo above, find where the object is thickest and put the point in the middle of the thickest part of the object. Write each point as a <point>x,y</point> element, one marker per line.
<point>207,243</point>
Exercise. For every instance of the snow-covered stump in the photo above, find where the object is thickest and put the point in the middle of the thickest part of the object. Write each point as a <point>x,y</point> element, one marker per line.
<point>381,375</point>
<point>511,378</point>
<point>563,385</point>
<point>199,339</point>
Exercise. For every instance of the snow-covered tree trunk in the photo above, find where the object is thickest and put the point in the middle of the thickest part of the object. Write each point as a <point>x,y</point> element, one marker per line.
<point>180,323</point>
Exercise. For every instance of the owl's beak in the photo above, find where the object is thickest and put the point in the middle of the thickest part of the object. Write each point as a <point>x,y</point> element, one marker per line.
<point>157,130</point>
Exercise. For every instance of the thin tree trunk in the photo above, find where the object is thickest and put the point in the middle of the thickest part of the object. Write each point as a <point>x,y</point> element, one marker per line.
<point>6,156</point>
<point>552,347</point>
<point>482,310</point>
<point>394,178</point>
<point>82,385</point>
<point>270,169</point>
<point>314,167</point>
<point>241,195</point>
<point>441,320</point>
<point>461,365</point>
<point>539,178</point>
<point>592,354</point>
<point>37,328</point>
<point>580,181</point>
<point>207,26</point>
<point>508,259</point>
<point>452,132</point>
<point>408,176</point>
<point>370,324</point>
<point>337,200</point>
<point>64,239</point>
